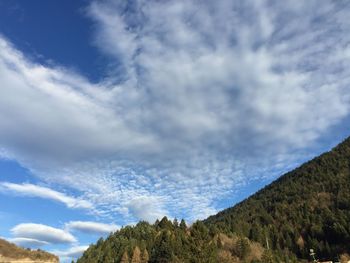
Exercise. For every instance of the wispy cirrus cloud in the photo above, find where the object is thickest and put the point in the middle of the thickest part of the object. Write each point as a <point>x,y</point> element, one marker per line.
<point>28,242</point>
<point>201,99</point>
<point>32,190</point>
<point>91,227</point>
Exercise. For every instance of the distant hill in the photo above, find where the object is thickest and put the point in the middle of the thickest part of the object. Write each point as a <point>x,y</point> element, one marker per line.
<point>11,253</point>
<point>308,208</point>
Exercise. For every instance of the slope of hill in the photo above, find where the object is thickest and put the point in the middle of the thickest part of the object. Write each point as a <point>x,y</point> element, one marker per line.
<point>11,253</point>
<point>306,208</point>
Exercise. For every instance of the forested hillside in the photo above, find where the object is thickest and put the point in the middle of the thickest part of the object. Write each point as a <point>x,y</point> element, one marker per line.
<point>308,208</point>
<point>167,241</point>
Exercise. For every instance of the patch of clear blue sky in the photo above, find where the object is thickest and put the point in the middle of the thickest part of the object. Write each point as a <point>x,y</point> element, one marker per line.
<point>57,31</point>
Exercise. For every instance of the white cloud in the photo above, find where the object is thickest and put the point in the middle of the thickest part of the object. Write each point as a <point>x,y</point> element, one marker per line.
<point>73,252</point>
<point>91,227</point>
<point>205,98</point>
<point>28,242</point>
<point>42,233</point>
<point>147,208</point>
<point>74,114</point>
<point>44,192</point>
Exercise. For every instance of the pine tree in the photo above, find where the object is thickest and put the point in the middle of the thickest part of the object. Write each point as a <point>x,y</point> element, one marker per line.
<point>145,256</point>
<point>156,223</point>
<point>183,225</point>
<point>165,223</point>
<point>175,222</point>
<point>162,251</point>
<point>136,256</point>
<point>267,257</point>
<point>242,247</point>
<point>125,257</point>
<point>219,242</point>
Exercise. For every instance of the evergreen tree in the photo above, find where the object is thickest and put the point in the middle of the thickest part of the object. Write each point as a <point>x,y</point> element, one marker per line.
<point>156,223</point>
<point>162,252</point>
<point>183,225</point>
<point>145,256</point>
<point>136,256</point>
<point>175,223</point>
<point>125,257</point>
<point>165,223</point>
<point>267,257</point>
<point>242,247</point>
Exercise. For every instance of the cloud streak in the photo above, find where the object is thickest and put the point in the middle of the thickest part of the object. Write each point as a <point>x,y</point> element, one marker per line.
<point>28,242</point>
<point>42,233</point>
<point>73,252</point>
<point>201,100</point>
<point>46,193</point>
<point>91,227</point>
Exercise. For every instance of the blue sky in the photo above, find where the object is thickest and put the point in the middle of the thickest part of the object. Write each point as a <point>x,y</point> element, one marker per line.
<point>113,111</point>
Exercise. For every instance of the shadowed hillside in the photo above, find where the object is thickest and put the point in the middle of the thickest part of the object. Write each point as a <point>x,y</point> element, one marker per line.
<point>308,207</point>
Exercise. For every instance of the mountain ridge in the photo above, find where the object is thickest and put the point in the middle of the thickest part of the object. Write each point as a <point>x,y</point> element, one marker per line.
<point>323,182</point>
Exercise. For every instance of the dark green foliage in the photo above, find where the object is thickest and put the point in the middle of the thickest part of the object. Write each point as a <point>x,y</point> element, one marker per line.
<point>164,241</point>
<point>165,224</point>
<point>267,257</point>
<point>242,248</point>
<point>306,208</point>
<point>183,225</point>
<point>163,251</point>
